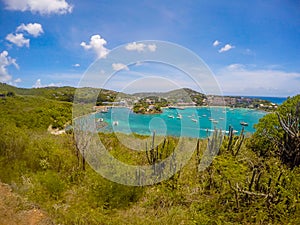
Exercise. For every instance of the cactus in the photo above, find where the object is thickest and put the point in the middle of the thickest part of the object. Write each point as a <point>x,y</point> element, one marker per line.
<point>140,177</point>
<point>213,147</point>
<point>156,154</point>
<point>235,144</point>
<point>215,142</point>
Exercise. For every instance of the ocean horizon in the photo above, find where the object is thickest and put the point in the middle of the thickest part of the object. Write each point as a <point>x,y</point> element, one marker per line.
<point>276,100</point>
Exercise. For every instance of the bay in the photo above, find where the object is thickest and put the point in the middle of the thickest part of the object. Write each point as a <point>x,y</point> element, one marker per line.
<point>190,122</point>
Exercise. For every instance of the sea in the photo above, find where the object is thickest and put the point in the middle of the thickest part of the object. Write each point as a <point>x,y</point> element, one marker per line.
<point>276,100</point>
<point>196,122</point>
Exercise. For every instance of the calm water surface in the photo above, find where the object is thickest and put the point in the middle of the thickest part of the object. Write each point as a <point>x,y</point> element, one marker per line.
<point>190,122</point>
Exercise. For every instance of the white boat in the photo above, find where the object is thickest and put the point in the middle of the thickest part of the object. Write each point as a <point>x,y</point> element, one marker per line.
<point>115,123</point>
<point>179,116</point>
<point>195,120</point>
<point>100,120</point>
<point>171,116</point>
<point>244,123</point>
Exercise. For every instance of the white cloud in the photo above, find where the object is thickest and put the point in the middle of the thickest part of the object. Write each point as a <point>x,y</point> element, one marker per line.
<point>216,43</point>
<point>18,80</point>
<point>139,63</point>
<point>35,29</point>
<point>234,67</point>
<point>135,47</point>
<point>6,61</point>
<point>38,84</point>
<point>15,82</point>
<point>40,6</point>
<point>140,47</point>
<point>226,48</point>
<point>53,85</point>
<point>119,66</point>
<point>76,65</point>
<point>240,79</point>
<point>18,39</point>
<point>152,48</point>
<point>97,44</point>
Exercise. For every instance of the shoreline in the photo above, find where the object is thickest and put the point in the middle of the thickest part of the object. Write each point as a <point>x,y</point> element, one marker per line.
<point>187,107</point>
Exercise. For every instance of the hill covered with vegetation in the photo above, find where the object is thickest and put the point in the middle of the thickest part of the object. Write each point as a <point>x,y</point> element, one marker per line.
<point>252,180</point>
<point>97,96</point>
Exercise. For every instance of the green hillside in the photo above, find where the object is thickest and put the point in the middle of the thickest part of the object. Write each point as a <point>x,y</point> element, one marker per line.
<point>252,180</point>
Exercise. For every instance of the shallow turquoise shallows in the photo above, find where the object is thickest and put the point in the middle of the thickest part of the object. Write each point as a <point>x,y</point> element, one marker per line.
<point>189,122</point>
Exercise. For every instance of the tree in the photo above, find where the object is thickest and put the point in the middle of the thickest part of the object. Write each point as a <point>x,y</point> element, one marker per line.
<point>289,145</point>
<point>278,133</point>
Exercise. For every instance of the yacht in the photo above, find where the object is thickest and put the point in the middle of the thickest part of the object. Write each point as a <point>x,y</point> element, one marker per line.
<point>244,123</point>
<point>194,120</point>
<point>179,116</point>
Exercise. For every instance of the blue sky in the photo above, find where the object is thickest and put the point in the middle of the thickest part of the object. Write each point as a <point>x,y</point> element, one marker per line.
<point>252,47</point>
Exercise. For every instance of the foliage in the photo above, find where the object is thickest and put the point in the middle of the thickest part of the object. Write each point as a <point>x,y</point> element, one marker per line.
<point>239,187</point>
<point>35,112</point>
<point>271,137</point>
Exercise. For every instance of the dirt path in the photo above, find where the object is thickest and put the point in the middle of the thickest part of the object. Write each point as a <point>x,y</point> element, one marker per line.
<point>16,211</point>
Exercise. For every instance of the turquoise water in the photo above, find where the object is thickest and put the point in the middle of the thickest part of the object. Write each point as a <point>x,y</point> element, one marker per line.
<point>194,122</point>
<point>276,100</point>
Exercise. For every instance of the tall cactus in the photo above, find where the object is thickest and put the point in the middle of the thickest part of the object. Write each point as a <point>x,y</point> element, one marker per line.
<point>214,143</point>
<point>155,155</point>
<point>235,144</point>
<point>213,147</point>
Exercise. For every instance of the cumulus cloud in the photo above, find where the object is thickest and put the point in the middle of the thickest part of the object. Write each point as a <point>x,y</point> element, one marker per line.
<point>226,48</point>
<point>18,80</point>
<point>15,82</point>
<point>18,39</point>
<point>6,61</point>
<point>241,79</point>
<point>34,29</point>
<point>152,48</point>
<point>140,47</point>
<point>53,85</point>
<point>119,66</point>
<point>38,84</point>
<point>135,47</point>
<point>97,44</point>
<point>216,43</point>
<point>40,6</point>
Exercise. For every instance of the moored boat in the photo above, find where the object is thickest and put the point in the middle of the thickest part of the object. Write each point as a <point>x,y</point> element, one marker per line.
<point>244,123</point>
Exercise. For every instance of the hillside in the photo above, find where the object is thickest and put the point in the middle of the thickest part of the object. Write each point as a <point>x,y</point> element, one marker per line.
<point>249,181</point>
<point>99,97</point>
<point>14,210</point>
